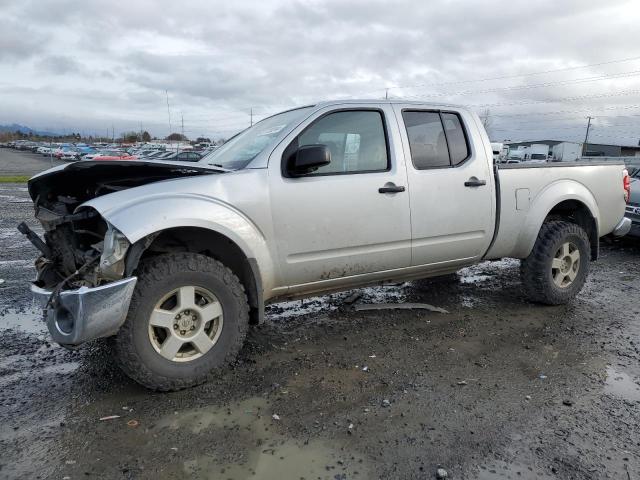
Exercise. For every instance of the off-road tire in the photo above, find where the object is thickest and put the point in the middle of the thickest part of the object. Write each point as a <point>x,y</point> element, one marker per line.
<point>133,350</point>
<point>536,271</point>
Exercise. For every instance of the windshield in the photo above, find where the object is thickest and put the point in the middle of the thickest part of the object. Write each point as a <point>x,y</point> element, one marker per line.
<point>247,145</point>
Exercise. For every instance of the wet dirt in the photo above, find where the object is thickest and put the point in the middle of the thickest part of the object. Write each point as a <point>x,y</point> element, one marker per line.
<point>498,388</point>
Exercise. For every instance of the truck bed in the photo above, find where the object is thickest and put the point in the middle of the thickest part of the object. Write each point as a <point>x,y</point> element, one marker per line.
<point>527,192</point>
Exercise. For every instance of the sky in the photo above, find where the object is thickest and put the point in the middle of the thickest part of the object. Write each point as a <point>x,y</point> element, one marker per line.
<point>539,68</point>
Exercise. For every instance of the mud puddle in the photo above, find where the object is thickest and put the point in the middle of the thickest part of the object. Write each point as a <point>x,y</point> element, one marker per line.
<point>271,456</point>
<point>621,385</point>
<point>27,321</point>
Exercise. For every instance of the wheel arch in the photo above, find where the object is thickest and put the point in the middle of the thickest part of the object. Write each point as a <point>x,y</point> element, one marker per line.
<point>577,212</point>
<point>212,244</point>
<point>563,200</point>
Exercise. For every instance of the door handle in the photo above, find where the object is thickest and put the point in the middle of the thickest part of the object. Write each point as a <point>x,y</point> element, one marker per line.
<point>390,187</point>
<point>474,182</point>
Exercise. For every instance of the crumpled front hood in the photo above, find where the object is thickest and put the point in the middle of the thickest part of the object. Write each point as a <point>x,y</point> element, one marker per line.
<point>84,180</point>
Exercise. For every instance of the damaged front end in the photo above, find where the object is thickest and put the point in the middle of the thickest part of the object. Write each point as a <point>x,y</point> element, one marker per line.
<point>82,282</point>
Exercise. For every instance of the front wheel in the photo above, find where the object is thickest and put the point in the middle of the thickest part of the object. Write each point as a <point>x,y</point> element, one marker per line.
<point>557,267</point>
<point>188,316</point>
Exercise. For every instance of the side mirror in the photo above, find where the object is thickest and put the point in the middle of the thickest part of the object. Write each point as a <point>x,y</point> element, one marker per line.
<point>308,158</point>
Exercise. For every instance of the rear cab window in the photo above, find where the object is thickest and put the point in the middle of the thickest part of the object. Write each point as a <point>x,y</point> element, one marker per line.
<point>436,139</point>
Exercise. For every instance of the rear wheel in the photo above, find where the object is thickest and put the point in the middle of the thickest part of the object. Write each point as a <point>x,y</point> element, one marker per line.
<point>557,267</point>
<point>188,316</point>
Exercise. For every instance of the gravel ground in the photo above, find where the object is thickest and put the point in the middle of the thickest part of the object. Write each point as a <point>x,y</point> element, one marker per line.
<point>15,162</point>
<point>497,388</point>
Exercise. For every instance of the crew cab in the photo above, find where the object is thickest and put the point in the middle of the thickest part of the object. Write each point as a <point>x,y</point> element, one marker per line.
<point>174,260</point>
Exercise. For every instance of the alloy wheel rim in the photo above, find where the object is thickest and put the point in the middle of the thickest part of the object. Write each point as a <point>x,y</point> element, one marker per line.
<point>185,324</point>
<point>565,265</point>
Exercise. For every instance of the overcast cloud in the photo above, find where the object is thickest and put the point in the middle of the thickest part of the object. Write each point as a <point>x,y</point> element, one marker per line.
<point>88,65</point>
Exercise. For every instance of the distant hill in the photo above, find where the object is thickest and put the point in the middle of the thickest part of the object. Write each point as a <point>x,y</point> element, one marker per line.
<point>15,127</point>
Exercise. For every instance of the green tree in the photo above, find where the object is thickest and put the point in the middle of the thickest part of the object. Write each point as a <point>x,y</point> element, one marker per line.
<point>176,137</point>
<point>146,137</point>
<point>130,137</point>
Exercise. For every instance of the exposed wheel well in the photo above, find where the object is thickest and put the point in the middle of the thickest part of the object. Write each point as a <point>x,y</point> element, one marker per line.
<point>577,212</point>
<point>211,244</point>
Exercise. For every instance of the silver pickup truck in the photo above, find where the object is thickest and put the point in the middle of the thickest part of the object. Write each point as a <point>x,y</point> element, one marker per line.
<point>173,261</point>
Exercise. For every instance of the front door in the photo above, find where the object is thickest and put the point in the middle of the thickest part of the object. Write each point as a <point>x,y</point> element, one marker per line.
<point>335,222</point>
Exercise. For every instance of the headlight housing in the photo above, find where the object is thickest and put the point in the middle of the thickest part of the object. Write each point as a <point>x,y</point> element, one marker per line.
<point>114,250</point>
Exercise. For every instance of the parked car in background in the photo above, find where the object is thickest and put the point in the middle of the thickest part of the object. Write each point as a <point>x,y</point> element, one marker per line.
<point>143,152</point>
<point>500,151</point>
<point>155,154</point>
<point>538,152</point>
<point>114,155</point>
<point>68,156</point>
<point>183,157</point>
<point>518,155</point>
<point>91,156</point>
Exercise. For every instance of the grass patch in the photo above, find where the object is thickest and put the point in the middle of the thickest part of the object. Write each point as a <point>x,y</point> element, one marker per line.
<point>14,178</point>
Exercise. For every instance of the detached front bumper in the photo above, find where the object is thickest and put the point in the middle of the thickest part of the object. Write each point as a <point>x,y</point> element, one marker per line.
<point>86,313</point>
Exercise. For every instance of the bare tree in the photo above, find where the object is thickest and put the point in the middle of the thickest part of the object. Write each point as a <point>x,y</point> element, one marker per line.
<point>487,120</point>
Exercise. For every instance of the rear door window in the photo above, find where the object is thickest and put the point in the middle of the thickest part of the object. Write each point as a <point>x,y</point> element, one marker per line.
<point>456,139</point>
<point>427,139</point>
<point>436,139</point>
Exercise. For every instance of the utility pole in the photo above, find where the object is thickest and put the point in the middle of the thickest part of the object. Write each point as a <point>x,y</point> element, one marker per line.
<point>251,113</point>
<point>182,121</point>
<point>386,93</point>
<point>168,111</point>
<point>113,134</point>
<point>586,137</point>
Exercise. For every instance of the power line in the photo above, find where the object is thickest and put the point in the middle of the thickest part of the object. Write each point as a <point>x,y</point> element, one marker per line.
<point>504,77</point>
<point>632,73</point>
<point>558,112</point>
<point>558,100</point>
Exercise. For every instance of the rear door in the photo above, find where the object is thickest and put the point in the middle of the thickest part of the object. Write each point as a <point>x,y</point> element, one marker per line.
<point>450,186</point>
<point>336,222</point>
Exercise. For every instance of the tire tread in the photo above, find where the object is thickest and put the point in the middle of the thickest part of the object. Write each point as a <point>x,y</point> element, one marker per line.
<point>154,270</point>
<point>534,269</point>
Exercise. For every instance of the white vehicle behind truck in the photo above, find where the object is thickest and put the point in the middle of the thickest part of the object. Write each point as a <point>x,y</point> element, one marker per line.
<point>566,152</point>
<point>517,155</point>
<point>538,152</point>
<point>173,261</point>
<point>500,151</point>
